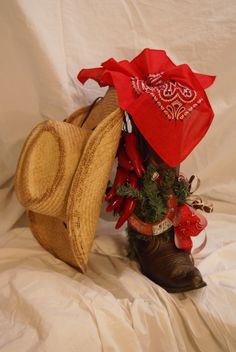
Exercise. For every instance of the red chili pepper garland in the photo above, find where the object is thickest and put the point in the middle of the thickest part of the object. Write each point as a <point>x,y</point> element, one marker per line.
<point>119,206</point>
<point>129,207</point>
<point>120,179</point>
<point>130,203</point>
<point>131,147</point>
<point>129,159</point>
<point>115,204</point>
<point>123,160</point>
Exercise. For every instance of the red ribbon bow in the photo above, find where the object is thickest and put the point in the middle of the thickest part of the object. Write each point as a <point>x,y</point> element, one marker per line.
<point>167,102</point>
<point>188,223</point>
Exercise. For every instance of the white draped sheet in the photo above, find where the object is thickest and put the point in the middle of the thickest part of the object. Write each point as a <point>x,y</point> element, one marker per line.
<point>48,306</point>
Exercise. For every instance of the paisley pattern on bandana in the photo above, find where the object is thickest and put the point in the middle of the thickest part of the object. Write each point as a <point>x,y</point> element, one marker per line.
<point>167,102</point>
<point>174,99</point>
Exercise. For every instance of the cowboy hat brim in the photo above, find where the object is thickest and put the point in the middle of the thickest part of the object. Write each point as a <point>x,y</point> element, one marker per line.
<point>71,240</point>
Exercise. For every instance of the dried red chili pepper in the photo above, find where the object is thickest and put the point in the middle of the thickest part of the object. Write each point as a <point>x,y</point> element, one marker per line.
<point>130,203</point>
<point>119,207</point>
<point>131,147</point>
<point>120,179</point>
<point>133,180</point>
<point>123,159</point>
<point>129,206</point>
<point>115,204</point>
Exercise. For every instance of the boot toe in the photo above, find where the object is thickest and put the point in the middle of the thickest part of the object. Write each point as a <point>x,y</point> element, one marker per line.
<point>191,280</point>
<point>169,267</point>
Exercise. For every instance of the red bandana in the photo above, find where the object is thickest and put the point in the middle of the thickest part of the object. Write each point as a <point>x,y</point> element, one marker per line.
<point>167,102</point>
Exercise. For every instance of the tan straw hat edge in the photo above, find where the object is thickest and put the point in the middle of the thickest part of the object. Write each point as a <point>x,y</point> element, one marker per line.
<point>55,226</point>
<point>70,238</point>
<point>78,116</point>
<point>78,189</point>
<point>22,188</point>
<point>70,142</point>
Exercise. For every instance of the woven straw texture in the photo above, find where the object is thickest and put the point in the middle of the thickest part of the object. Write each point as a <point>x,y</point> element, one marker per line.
<point>89,185</point>
<point>52,234</point>
<point>63,219</point>
<point>47,165</point>
<point>72,242</point>
<point>78,116</point>
<point>102,108</point>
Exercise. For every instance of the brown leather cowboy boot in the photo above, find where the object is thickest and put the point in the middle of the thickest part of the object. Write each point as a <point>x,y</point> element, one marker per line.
<point>165,264</point>
<point>159,258</point>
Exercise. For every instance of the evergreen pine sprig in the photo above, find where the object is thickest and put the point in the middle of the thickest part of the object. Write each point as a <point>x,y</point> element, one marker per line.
<point>168,179</point>
<point>128,191</point>
<point>152,200</point>
<point>181,190</point>
<point>152,196</point>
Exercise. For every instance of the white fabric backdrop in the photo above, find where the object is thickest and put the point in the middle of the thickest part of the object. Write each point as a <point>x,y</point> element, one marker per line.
<point>44,43</point>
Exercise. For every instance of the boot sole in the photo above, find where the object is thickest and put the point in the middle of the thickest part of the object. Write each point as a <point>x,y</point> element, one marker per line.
<point>183,289</point>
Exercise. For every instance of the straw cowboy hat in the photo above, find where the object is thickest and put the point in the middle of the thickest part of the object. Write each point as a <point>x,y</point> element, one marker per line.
<point>62,174</point>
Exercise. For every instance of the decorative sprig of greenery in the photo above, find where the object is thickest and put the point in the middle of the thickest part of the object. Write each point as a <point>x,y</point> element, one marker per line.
<point>152,198</point>
<point>181,190</point>
<point>129,191</point>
